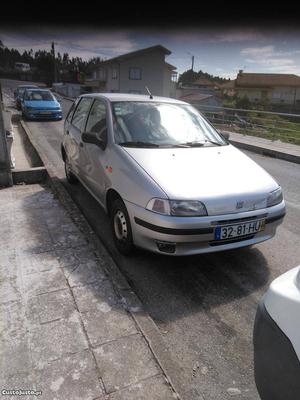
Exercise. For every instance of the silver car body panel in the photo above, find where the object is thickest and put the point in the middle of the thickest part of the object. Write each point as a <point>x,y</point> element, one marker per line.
<point>218,176</point>
<point>282,301</point>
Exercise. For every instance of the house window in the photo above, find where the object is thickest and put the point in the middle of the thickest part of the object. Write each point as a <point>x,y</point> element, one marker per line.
<point>114,73</point>
<point>276,95</point>
<point>135,73</point>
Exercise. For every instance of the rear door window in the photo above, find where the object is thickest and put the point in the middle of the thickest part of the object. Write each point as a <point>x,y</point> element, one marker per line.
<point>81,113</point>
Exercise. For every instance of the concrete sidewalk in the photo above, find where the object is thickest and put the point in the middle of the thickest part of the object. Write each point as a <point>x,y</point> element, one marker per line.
<point>65,327</point>
<point>276,149</point>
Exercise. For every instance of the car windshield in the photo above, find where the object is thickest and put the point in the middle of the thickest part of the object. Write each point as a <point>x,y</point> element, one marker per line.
<point>38,95</point>
<point>21,90</point>
<point>154,124</point>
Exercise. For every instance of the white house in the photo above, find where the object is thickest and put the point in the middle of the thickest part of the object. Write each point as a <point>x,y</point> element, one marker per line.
<point>132,72</point>
<point>274,88</point>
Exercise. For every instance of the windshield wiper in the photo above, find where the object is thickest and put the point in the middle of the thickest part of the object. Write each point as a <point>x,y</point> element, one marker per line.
<point>211,141</point>
<point>192,144</point>
<point>200,144</point>
<point>138,144</point>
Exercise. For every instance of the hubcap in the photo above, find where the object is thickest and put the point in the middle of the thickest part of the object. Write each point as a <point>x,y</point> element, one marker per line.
<point>120,225</point>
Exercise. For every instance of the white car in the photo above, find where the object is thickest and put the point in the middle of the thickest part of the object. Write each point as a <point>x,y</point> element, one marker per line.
<point>169,180</point>
<point>276,339</point>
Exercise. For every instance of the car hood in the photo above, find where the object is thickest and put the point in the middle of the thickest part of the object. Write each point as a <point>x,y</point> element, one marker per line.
<point>219,176</point>
<point>42,105</point>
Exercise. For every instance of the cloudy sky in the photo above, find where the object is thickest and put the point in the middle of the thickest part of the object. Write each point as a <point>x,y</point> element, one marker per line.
<point>220,52</point>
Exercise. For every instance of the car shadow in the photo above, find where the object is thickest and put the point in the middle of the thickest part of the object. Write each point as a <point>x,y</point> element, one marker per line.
<point>169,287</point>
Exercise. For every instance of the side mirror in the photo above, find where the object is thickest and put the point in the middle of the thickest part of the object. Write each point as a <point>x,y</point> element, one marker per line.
<point>225,135</point>
<point>88,137</point>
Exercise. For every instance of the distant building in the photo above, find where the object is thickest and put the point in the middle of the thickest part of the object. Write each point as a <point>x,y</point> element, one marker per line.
<point>201,99</point>
<point>20,66</point>
<point>228,88</point>
<point>131,72</point>
<point>203,83</point>
<point>272,88</point>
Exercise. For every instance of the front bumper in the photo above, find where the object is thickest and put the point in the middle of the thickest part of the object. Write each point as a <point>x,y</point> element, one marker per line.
<point>196,235</point>
<point>52,115</point>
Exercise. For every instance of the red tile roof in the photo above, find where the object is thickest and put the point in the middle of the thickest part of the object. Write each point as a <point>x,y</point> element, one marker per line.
<point>266,80</point>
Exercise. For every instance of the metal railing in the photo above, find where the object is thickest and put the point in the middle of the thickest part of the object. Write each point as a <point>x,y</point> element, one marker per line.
<point>266,124</point>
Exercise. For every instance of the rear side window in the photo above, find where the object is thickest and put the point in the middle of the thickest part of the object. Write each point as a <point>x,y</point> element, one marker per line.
<point>81,113</point>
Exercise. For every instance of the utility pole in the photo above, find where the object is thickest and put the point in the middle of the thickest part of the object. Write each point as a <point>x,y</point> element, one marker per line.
<point>193,63</point>
<point>54,61</point>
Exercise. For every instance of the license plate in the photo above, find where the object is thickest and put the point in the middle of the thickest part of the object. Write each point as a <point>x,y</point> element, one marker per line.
<point>46,112</point>
<point>236,230</point>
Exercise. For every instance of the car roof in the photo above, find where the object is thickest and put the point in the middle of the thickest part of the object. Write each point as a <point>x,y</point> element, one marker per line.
<point>28,86</point>
<point>132,97</point>
<point>39,90</point>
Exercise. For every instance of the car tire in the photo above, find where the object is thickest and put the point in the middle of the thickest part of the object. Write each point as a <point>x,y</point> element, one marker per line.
<point>121,228</point>
<point>71,178</point>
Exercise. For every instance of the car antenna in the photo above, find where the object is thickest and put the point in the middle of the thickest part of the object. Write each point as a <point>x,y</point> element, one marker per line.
<point>151,97</point>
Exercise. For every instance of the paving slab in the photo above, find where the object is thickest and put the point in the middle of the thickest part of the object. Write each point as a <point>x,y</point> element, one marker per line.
<point>72,377</point>
<point>154,388</point>
<point>107,323</point>
<point>10,291</point>
<point>124,362</point>
<point>44,282</point>
<point>84,273</point>
<point>15,356</point>
<point>55,339</point>
<point>40,262</point>
<point>50,307</point>
<point>96,296</point>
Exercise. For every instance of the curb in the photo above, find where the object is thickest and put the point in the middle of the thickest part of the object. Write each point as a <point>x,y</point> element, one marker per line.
<point>29,176</point>
<point>129,299</point>
<point>266,152</point>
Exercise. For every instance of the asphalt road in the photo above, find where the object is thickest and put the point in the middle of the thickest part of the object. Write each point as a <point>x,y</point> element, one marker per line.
<point>204,305</point>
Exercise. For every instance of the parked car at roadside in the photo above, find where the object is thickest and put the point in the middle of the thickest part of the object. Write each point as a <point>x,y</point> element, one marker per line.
<point>170,182</point>
<point>18,93</point>
<point>40,104</point>
<point>276,339</point>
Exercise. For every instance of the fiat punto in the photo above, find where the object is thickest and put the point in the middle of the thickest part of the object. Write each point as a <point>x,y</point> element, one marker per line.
<point>169,181</point>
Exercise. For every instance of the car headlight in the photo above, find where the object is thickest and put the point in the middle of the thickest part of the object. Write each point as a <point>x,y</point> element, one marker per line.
<point>179,208</point>
<point>275,197</point>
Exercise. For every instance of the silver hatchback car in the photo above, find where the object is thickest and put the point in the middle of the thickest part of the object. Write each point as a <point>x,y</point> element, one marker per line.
<point>168,180</point>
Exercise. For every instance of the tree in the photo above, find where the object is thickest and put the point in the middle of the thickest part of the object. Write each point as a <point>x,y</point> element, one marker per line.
<point>190,76</point>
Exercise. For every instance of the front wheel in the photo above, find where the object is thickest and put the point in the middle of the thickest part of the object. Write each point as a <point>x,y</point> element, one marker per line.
<point>121,227</point>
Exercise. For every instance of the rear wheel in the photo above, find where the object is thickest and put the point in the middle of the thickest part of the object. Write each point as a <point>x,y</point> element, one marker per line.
<point>121,227</point>
<point>71,178</point>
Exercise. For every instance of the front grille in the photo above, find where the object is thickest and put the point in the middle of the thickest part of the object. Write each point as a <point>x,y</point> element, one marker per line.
<point>237,220</point>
